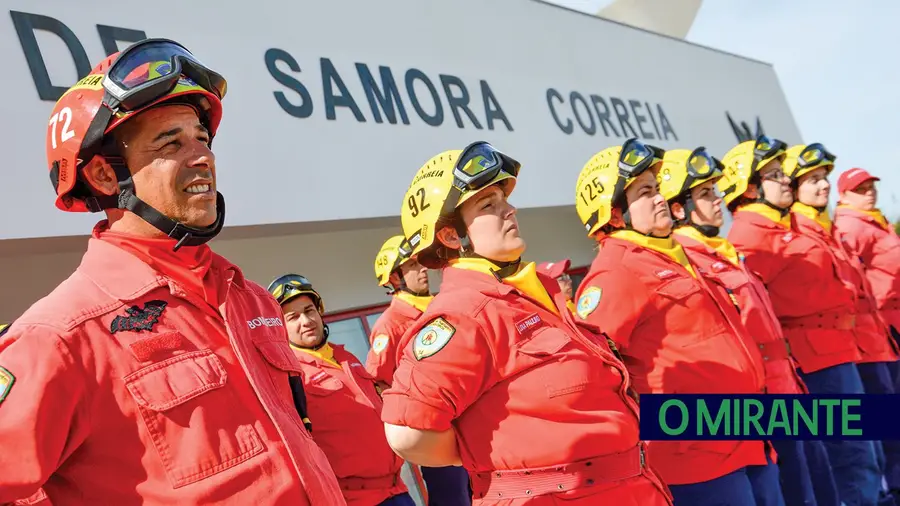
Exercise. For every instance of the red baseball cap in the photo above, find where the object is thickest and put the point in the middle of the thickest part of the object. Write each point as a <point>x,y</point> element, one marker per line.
<point>554,269</point>
<point>854,177</point>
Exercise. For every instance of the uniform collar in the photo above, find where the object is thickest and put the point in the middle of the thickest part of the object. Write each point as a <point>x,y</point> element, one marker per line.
<point>123,276</point>
<point>664,245</point>
<point>769,213</point>
<point>478,274</point>
<point>323,354</point>
<point>875,216</point>
<point>418,302</point>
<point>813,214</point>
<point>719,245</point>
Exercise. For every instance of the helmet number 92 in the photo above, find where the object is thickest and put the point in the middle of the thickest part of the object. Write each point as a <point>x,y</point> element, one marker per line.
<point>64,116</point>
<point>414,207</point>
<point>588,195</point>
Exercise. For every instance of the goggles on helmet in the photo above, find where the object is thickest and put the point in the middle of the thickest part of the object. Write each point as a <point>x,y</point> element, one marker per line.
<point>635,159</point>
<point>137,78</point>
<point>288,285</point>
<point>700,165</point>
<point>478,165</point>
<point>766,147</point>
<point>813,155</point>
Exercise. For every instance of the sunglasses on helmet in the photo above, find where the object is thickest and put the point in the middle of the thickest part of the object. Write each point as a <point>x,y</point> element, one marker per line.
<point>815,154</point>
<point>288,285</point>
<point>766,147</point>
<point>636,157</point>
<point>150,69</point>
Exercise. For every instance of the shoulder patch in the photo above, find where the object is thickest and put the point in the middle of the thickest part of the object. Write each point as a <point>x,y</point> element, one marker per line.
<point>588,301</point>
<point>432,338</point>
<point>6,382</point>
<point>379,343</point>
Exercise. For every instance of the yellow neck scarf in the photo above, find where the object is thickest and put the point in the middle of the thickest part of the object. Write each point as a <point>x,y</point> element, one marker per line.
<point>812,213</point>
<point>768,212</point>
<point>525,280</point>
<point>875,214</point>
<point>665,245</point>
<point>720,244</point>
<point>325,353</point>
<point>419,302</point>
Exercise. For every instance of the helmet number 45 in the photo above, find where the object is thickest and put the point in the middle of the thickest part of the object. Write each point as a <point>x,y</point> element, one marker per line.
<point>421,206</point>
<point>588,194</point>
<point>64,116</point>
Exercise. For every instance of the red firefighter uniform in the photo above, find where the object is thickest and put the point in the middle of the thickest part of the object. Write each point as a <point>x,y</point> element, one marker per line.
<point>719,262</point>
<point>158,377</point>
<point>677,335</point>
<point>345,411</point>
<point>815,307</point>
<point>872,336</point>
<point>387,340</point>
<point>540,405</point>
<point>869,236</point>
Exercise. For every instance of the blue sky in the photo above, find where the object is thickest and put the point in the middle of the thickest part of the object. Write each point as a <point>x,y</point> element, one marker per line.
<point>836,62</point>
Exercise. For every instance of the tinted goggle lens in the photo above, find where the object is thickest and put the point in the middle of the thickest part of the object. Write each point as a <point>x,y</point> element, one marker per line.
<point>636,154</point>
<point>481,162</point>
<point>814,154</point>
<point>701,165</point>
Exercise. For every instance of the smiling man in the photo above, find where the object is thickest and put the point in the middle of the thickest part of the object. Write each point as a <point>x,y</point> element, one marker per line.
<point>156,373</point>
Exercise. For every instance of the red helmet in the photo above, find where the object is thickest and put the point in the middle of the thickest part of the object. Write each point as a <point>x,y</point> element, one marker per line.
<point>143,75</point>
<point>121,86</point>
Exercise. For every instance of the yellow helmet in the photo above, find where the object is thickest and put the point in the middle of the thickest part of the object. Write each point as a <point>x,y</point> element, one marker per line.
<point>742,163</point>
<point>442,185</point>
<point>604,178</point>
<point>802,159</point>
<point>393,253</point>
<point>682,170</point>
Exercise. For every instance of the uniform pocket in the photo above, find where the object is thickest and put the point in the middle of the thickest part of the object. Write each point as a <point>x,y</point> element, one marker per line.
<point>322,384</point>
<point>190,416</point>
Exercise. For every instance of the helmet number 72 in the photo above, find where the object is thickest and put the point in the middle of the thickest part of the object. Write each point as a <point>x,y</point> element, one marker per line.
<point>64,116</point>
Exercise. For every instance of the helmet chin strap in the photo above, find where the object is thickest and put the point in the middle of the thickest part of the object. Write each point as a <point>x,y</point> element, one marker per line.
<point>626,218</point>
<point>325,332</point>
<point>689,207</point>
<point>761,196</point>
<point>403,287</point>
<point>127,200</point>
<point>466,250</point>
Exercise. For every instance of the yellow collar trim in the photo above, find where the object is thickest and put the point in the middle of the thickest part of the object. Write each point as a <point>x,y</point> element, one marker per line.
<point>812,213</point>
<point>325,353</point>
<point>768,212</point>
<point>525,280</point>
<point>722,246</point>
<point>665,245</point>
<point>419,302</point>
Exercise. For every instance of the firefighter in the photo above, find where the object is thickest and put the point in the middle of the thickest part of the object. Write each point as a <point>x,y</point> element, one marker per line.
<point>675,330</point>
<point>343,405</point>
<point>499,378</point>
<point>156,372</point>
<point>814,305</point>
<point>867,235</point>
<point>407,283</point>
<point>809,166</point>
<point>688,183</point>
<point>558,271</point>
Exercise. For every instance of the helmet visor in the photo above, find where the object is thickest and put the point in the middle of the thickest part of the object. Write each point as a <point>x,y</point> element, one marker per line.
<point>479,163</point>
<point>150,69</point>
<point>636,157</point>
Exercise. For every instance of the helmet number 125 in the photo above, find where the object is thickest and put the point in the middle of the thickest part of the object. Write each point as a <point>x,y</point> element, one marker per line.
<point>589,188</point>
<point>64,116</point>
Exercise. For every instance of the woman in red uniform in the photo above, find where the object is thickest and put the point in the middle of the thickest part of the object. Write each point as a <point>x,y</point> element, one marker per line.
<point>809,168</point>
<point>688,183</point>
<point>499,378</point>
<point>676,331</point>
<point>813,303</point>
